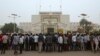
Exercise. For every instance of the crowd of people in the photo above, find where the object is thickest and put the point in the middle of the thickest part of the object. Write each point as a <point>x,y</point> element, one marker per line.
<point>49,42</point>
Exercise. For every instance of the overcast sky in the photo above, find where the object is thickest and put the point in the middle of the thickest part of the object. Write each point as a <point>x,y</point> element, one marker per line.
<point>27,8</point>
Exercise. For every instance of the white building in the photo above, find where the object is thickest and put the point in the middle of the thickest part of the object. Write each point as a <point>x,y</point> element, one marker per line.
<point>51,22</point>
<point>47,22</point>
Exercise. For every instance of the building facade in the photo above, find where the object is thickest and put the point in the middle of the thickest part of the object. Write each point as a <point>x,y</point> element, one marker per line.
<point>47,22</point>
<point>51,22</point>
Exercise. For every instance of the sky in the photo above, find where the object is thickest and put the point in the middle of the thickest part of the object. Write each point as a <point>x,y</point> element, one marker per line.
<point>27,8</point>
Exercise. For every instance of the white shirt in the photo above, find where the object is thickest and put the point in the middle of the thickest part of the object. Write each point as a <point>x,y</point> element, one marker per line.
<point>60,40</point>
<point>44,37</point>
<point>36,38</point>
<point>82,39</point>
<point>73,38</point>
<point>21,40</point>
<point>5,38</point>
<point>16,40</point>
<point>95,39</point>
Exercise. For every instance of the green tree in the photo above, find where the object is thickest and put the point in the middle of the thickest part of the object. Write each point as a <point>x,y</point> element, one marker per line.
<point>86,25</point>
<point>9,28</point>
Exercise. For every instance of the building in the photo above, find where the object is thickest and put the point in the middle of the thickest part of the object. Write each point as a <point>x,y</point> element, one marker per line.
<point>51,22</point>
<point>75,25</point>
<point>47,22</point>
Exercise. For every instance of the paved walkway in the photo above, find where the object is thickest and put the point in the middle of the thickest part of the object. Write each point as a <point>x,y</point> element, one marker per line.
<point>69,53</point>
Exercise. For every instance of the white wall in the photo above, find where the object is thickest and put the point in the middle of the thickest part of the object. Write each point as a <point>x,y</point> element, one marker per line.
<point>65,21</point>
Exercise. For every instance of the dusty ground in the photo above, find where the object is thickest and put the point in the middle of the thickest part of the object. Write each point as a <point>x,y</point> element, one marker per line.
<point>68,53</point>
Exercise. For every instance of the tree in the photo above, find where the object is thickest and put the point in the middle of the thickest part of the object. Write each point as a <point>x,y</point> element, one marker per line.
<point>86,25</point>
<point>9,28</point>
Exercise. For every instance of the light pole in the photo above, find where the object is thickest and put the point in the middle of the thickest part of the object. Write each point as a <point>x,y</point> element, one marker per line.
<point>14,16</point>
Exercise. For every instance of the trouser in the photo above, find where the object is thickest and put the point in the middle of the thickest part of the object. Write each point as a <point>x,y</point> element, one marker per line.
<point>40,46</point>
<point>88,45</point>
<point>60,46</point>
<point>15,49</point>
<point>79,45</point>
<point>85,45</point>
<point>96,46</point>
<point>27,47</point>
<point>92,45</point>
<point>31,46</point>
<point>48,47</point>
<point>54,46</point>
<point>74,45</point>
<point>70,46</point>
<point>44,46</point>
<point>0,45</point>
<point>65,47</point>
<point>82,46</point>
<point>4,45</point>
<point>21,48</point>
<point>35,46</point>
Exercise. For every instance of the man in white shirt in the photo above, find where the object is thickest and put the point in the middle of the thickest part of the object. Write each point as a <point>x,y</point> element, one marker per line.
<point>36,41</point>
<point>86,42</point>
<point>15,43</point>
<point>74,42</point>
<point>21,42</point>
<point>96,41</point>
<point>60,43</point>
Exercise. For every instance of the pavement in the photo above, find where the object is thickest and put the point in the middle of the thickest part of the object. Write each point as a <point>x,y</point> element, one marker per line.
<point>67,53</point>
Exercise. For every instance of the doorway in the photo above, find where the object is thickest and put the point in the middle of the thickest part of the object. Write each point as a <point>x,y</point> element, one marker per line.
<point>50,30</point>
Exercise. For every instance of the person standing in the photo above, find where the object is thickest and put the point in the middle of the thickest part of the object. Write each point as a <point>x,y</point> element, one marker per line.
<point>65,43</point>
<point>44,43</point>
<point>4,43</point>
<point>27,44</point>
<point>92,41</point>
<point>31,42</point>
<point>36,42</point>
<point>74,42</point>
<point>86,41</point>
<point>40,42</point>
<point>69,41</point>
<point>21,42</point>
<point>96,41</point>
<point>60,43</point>
<point>54,40</point>
<point>48,43</point>
<point>82,42</point>
<point>15,43</point>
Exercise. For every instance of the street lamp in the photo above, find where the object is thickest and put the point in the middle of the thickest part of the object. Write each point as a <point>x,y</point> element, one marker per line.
<point>14,16</point>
